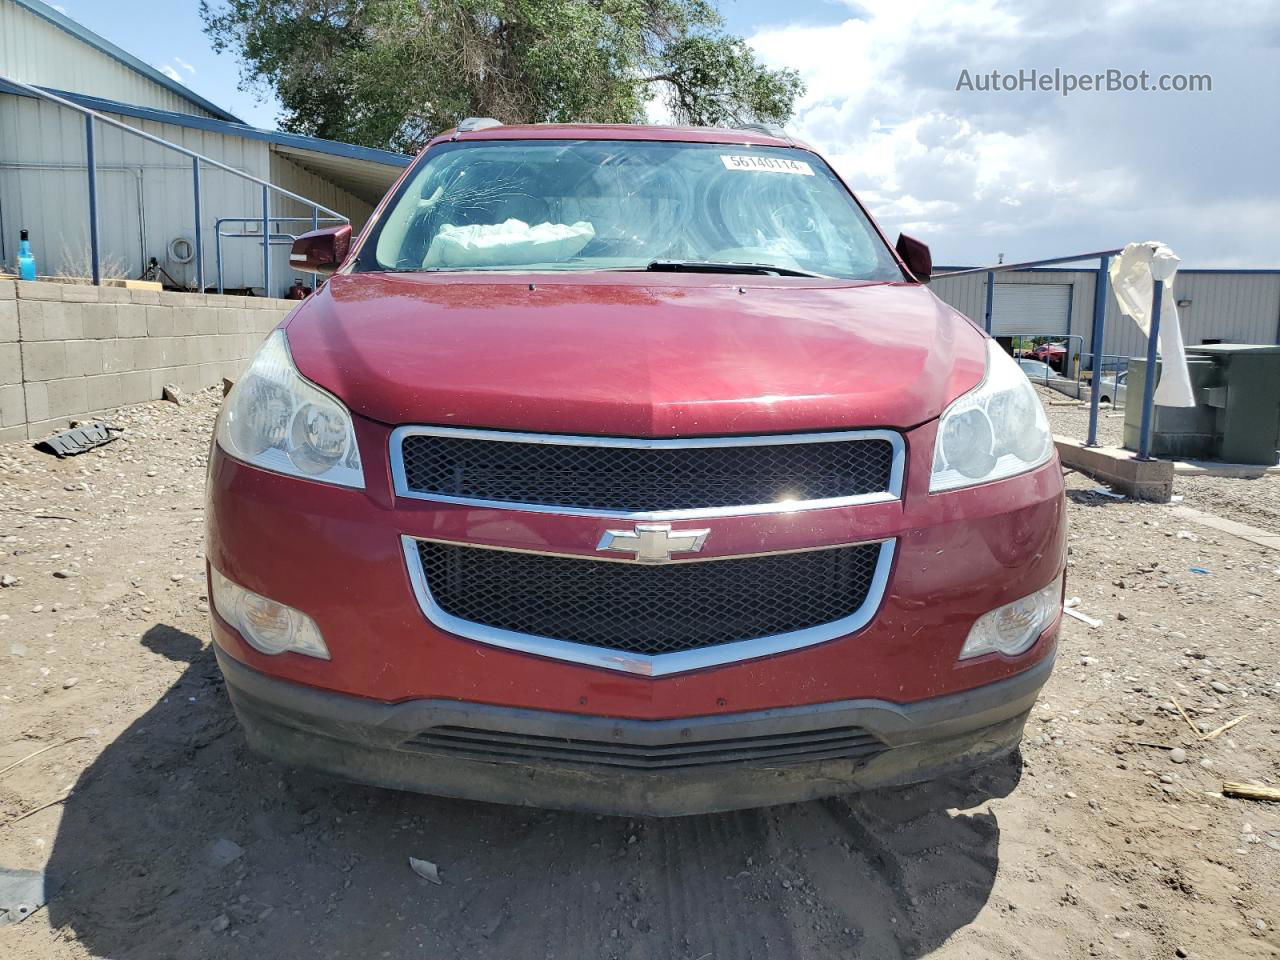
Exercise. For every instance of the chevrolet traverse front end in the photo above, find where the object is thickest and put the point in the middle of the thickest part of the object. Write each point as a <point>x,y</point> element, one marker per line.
<point>631,470</point>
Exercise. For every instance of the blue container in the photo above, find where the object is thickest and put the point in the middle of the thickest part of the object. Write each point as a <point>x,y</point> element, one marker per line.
<point>26,262</point>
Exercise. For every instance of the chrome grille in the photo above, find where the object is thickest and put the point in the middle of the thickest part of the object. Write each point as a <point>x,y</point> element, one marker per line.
<point>645,477</point>
<point>764,750</point>
<point>651,610</point>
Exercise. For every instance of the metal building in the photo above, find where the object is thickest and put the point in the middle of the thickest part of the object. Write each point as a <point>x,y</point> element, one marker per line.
<point>1214,306</point>
<point>145,191</point>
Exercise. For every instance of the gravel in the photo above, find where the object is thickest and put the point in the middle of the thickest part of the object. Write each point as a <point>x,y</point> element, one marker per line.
<point>1253,501</point>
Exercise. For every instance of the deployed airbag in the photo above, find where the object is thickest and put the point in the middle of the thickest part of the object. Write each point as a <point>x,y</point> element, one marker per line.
<point>510,243</point>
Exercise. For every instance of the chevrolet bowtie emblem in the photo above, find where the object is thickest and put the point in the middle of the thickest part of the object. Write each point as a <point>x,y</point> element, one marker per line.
<point>653,542</point>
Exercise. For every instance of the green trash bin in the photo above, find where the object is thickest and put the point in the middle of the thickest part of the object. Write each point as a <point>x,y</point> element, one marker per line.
<point>1247,400</point>
<point>1236,418</point>
<point>1187,432</point>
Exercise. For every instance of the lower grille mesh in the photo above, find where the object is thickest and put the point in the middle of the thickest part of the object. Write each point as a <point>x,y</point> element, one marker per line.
<point>648,609</point>
<point>770,750</point>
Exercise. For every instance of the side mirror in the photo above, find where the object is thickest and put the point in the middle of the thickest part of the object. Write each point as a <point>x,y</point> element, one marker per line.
<point>916,256</point>
<point>321,251</point>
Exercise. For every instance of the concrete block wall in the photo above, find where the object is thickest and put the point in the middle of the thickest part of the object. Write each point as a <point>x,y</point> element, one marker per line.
<point>70,351</point>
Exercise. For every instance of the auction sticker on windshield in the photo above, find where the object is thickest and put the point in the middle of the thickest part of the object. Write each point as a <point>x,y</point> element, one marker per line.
<point>766,165</point>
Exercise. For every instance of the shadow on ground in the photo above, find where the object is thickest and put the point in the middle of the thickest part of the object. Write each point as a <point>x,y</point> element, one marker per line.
<point>320,868</point>
<point>1091,498</point>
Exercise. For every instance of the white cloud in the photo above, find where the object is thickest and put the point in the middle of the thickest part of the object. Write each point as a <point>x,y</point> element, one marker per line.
<point>170,72</point>
<point>184,65</point>
<point>1034,174</point>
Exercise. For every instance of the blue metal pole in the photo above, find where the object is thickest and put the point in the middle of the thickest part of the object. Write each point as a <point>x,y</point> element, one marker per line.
<point>991,295</point>
<point>217,250</point>
<point>1101,287</point>
<point>315,225</point>
<point>266,241</point>
<point>1149,386</point>
<point>195,182</point>
<point>91,161</point>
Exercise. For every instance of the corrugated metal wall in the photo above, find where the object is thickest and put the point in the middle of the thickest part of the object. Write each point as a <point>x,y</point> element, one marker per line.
<point>144,190</point>
<point>1235,307</point>
<point>144,195</point>
<point>1232,307</point>
<point>37,52</point>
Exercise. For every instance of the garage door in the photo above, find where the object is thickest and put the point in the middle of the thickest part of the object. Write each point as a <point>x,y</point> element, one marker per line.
<point>1031,308</point>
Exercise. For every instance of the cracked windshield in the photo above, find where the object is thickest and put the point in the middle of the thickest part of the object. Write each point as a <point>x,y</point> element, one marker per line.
<point>628,206</point>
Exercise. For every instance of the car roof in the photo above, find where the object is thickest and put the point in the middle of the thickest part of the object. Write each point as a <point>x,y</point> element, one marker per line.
<point>622,131</point>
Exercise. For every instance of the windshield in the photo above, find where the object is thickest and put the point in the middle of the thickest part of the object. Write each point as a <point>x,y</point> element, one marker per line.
<point>614,205</point>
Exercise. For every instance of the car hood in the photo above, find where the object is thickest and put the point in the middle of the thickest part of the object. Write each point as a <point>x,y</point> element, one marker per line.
<point>626,354</point>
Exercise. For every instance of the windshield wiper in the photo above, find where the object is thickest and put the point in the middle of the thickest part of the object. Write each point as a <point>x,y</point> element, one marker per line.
<point>727,266</point>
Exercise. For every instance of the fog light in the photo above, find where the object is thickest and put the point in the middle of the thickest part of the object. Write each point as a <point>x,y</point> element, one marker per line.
<point>1013,628</point>
<point>267,626</point>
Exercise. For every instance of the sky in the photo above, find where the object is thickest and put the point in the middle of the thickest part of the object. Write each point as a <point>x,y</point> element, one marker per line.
<point>977,175</point>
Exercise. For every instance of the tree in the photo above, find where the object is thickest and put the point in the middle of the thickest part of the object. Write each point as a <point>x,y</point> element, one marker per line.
<point>393,73</point>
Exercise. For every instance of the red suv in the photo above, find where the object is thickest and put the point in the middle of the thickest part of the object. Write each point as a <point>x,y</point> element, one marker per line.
<point>630,469</point>
<point>1053,355</point>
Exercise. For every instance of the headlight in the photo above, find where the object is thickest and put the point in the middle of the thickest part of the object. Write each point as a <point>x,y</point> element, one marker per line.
<point>1013,628</point>
<point>267,626</point>
<point>998,429</point>
<point>276,420</point>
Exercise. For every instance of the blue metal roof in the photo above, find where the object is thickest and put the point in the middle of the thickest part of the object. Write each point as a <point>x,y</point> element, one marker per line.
<point>63,22</point>
<point>237,129</point>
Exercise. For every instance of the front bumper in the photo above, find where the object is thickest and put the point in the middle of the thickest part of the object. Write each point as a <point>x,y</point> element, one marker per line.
<point>625,766</point>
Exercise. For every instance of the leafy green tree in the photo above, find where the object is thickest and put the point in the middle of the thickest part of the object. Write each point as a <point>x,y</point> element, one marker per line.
<point>393,73</point>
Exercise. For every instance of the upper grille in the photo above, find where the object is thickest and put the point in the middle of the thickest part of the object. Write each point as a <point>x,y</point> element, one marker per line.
<point>649,609</point>
<point>644,477</point>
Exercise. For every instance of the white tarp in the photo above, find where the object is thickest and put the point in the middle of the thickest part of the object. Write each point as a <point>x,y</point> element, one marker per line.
<point>1133,276</point>
<point>510,243</point>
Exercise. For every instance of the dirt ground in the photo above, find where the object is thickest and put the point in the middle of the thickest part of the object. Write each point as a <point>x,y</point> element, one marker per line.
<point>172,841</point>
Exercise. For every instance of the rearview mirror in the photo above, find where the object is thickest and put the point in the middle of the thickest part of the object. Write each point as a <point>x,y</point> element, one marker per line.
<point>916,256</point>
<point>321,251</point>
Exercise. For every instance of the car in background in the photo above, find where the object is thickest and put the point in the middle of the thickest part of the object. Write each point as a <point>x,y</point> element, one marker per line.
<point>1053,354</point>
<point>1112,389</point>
<point>1046,376</point>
